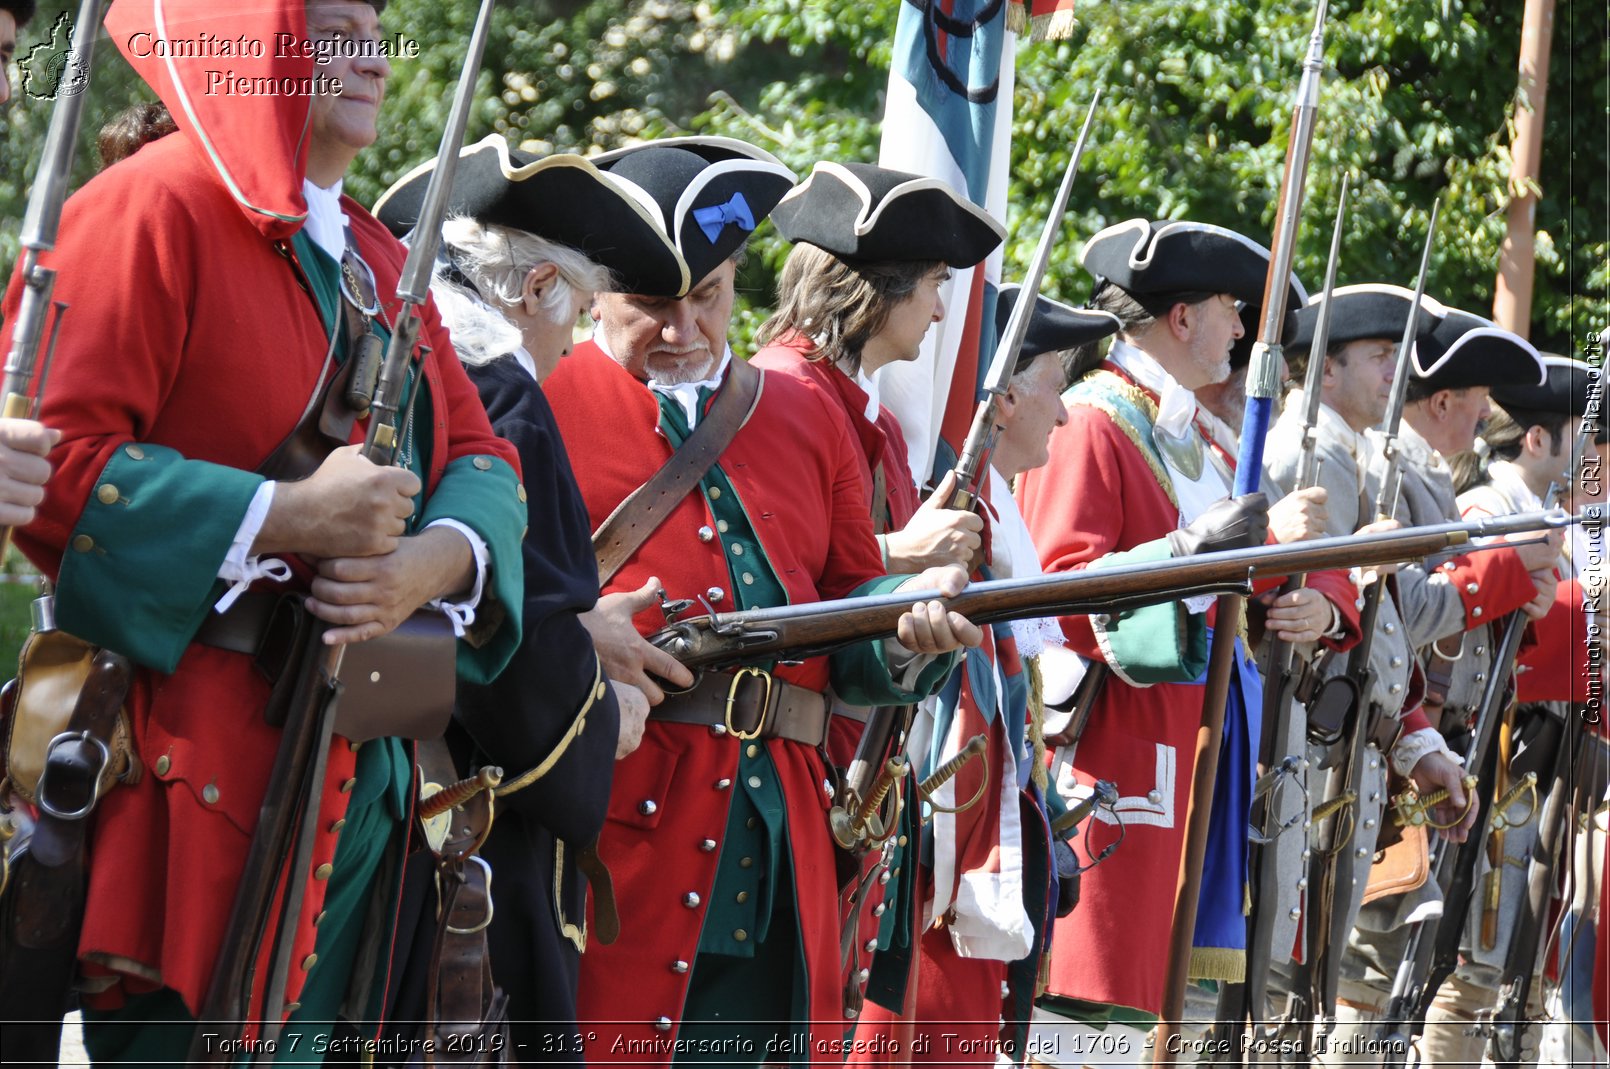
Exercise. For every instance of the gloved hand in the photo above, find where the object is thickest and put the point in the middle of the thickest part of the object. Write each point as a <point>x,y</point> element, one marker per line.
<point>1234,523</point>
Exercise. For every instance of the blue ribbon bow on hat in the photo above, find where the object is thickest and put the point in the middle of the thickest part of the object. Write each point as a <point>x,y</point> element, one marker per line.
<point>713,220</point>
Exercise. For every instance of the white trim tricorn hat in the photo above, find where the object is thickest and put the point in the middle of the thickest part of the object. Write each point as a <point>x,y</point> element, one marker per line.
<point>707,194</point>
<point>1053,326</point>
<point>1370,310</point>
<point>562,198</point>
<point>1467,350</point>
<point>1164,257</point>
<point>1564,391</point>
<point>857,211</point>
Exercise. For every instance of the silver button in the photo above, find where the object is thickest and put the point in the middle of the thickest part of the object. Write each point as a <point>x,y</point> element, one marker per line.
<point>647,807</point>
<point>1480,650</point>
<point>754,781</point>
<point>1296,913</point>
<point>706,534</point>
<point>883,877</point>
<point>1481,677</point>
<point>707,845</point>
<point>1472,588</point>
<point>1154,796</point>
<point>1302,884</point>
<point>850,1014</point>
<point>723,784</point>
<point>1390,628</point>
<point>863,975</point>
<point>679,966</point>
<point>871,945</point>
<point>718,730</point>
<point>1361,852</point>
<point>714,595</point>
<point>691,900</point>
<point>1102,620</point>
<point>1476,611</point>
<point>737,550</point>
<point>827,787</point>
<point>880,909</point>
<point>1395,688</point>
<point>662,1024</point>
<point>1397,662</point>
<point>1370,823</point>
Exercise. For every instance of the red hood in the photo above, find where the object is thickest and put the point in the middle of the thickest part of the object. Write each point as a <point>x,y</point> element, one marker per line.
<point>257,144</point>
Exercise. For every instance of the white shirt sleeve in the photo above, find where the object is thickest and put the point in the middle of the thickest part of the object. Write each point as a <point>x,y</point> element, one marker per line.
<point>1415,745</point>
<point>239,568</point>
<point>462,611</point>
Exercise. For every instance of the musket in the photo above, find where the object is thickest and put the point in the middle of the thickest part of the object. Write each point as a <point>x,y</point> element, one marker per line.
<point>287,821</point>
<point>1331,875</point>
<point>1242,1002</point>
<point>793,632</point>
<point>39,226</point>
<point>1263,382</point>
<point>970,465</point>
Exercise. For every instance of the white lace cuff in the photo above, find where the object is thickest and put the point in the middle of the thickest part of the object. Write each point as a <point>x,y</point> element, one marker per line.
<point>241,569</point>
<point>462,611</point>
<point>1415,745</point>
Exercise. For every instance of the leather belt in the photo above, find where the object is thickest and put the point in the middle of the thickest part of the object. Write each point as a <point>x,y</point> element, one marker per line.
<point>1385,731</point>
<point>750,703</point>
<point>241,629</point>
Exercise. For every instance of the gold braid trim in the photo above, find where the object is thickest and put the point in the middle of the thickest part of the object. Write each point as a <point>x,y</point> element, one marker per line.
<point>1218,963</point>
<point>526,779</point>
<point>1106,380</point>
<point>1042,779</point>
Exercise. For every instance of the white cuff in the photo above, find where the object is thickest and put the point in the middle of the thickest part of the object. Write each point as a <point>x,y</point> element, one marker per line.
<point>1415,745</point>
<point>462,611</point>
<point>905,665</point>
<point>1335,629</point>
<point>239,567</point>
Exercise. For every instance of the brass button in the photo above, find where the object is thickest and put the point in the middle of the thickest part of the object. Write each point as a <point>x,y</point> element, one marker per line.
<point>483,463</point>
<point>209,794</point>
<point>707,845</point>
<point>715,493</point>
<point>134,452</point>
<point>745,862</point>
<point>83,543</point>
<point>737,550</point>
<point>346,788</point>
<point>752,823</point>
<point>338,825</point>
<point>323,871</point>
<point>603,688</point>
<point>107,494</point>
<point>752,750</point>
<point>743,896</point>
<point>323,913</point>
<point>706,534</point>
<point>902,840</point>
<point>353,745</point>
<point>691,900</point>
<point>309,961</point>
<point>519,492</point>
<point>749,580</point>
<point>740,935</point>
<point>163,764</point>
<point>647,807</point>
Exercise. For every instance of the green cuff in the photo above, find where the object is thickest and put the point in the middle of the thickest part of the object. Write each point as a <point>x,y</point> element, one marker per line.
<point>861,674</point>
<point>1155,643</point>
<point>484,493</point>
<point>140,571</point>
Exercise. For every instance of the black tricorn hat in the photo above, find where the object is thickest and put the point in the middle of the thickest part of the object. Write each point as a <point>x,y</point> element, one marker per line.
<point>1371,310</point>
<point>1564,392</point>
<point>1466,350</point>
<point>562,198</point>
<point>1148,259</point>
<point>707,194</point>
<point>860,212</point>
<point>1053,326</point>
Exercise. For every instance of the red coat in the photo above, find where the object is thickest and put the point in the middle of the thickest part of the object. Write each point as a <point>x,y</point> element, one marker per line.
<point>795,468</point>
<point>1097,495</point>
<point>189,331</point>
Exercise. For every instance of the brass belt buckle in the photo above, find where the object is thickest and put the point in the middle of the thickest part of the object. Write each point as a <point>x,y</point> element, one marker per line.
<point>732,696</point>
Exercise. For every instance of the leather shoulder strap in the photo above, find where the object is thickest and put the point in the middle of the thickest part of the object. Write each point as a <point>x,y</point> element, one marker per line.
<point>645,508</point>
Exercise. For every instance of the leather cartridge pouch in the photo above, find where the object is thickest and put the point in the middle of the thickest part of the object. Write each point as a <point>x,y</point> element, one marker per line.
<point>1331,713</point>
<point>1401,867</point>
<point>51,674</point>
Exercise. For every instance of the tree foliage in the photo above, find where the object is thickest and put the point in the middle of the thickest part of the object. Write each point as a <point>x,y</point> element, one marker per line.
<point>1418,101</point>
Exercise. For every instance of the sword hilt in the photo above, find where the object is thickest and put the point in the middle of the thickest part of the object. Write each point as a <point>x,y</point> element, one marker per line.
<point>852,830</point>
<point>1500,819</point>
<point>1411,808</point>
<point>456,794</point>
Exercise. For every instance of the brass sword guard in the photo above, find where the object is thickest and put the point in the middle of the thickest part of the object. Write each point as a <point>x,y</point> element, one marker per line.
<point>1412,809</point>
<point>944,773</point>
<point>1500,819</point>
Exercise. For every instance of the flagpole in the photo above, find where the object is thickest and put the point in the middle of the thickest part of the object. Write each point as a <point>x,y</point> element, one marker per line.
<point>1512,294</point>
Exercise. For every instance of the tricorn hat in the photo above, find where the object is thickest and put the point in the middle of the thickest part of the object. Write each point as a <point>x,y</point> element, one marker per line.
<point>1157,259</point>
<point>562,198</point>
<point>860,212</point>
<point>1564,391</point>
<point>1053,326</point>
<point>707,194</point>
<point>1466,350</point>
<point>1371,310</point>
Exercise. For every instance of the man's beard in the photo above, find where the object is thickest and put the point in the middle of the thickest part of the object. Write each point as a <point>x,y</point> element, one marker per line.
<point>674,369</point>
